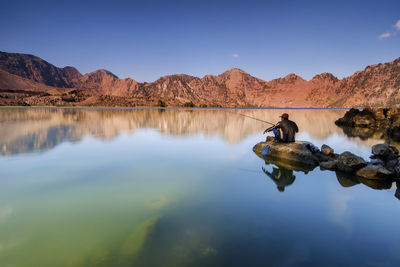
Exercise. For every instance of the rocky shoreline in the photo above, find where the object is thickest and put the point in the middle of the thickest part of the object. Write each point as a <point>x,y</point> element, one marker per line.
<point>384,164</point>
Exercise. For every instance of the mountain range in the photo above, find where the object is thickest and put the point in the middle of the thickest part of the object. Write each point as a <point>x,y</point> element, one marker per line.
<point>27,80</point>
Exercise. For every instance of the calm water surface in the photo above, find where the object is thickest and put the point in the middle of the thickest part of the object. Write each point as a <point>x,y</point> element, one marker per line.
<point>147,187</point>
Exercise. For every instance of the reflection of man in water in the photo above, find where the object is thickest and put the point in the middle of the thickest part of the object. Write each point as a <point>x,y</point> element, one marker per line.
<point>281,176</point>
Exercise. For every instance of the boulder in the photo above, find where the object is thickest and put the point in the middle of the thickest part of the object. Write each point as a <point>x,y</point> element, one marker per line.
<point>375,172</point>
<point>381,150</point>
<point>348,162</point>
<point>326,150</point>
<point>291,153</point>
<point>328,165</point>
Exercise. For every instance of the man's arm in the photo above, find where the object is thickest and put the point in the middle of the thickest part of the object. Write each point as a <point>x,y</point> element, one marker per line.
<point>276,126</point>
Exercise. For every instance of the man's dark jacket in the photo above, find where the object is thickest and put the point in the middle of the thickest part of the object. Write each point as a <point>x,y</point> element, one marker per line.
<point>289,129</point>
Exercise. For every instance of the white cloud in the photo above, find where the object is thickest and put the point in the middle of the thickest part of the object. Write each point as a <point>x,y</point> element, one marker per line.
<point>235,55</point>
<point>385,35</point>
<point>397,25</point>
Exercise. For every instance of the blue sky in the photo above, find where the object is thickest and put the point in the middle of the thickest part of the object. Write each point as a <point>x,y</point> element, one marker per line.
<point>148,39</point>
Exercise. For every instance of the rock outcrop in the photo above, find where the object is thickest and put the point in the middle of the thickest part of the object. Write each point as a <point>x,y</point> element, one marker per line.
<point>348,162</point>
<point>294,153</point>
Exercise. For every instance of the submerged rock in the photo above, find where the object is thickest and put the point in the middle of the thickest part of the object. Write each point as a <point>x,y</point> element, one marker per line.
<point>348,162</point>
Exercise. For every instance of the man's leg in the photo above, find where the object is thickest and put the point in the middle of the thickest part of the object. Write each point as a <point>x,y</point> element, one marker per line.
<point>277,134</point>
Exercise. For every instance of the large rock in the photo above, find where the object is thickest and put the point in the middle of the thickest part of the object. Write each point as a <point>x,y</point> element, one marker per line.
<point>375,172</point>
<point>348,162</point>
<point>328,165</point>
<point>291,153</point>
<point>381,150</point>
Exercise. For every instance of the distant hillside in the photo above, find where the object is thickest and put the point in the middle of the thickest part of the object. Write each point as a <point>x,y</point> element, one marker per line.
<point>20,75</point>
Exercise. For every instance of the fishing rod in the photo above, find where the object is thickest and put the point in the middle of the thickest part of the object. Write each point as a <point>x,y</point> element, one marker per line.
<point>252,118</point>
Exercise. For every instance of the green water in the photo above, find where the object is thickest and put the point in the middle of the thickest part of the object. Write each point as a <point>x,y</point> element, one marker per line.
<point>146,187</point>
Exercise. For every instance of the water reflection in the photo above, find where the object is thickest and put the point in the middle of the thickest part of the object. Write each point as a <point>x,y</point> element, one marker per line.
<point>181,188</point>
<point>368,135</point>
<point>26,130</point>
<point>283,175</point>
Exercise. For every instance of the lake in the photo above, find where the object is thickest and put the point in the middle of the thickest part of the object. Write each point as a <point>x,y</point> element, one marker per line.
<point>175,187</point>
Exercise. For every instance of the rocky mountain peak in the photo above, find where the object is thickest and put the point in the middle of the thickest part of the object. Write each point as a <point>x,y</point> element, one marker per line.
<point>326,76</point>
<point>234,71</point>
<point>34,68</point>
<point>290,78</point>
<point>102,73</point>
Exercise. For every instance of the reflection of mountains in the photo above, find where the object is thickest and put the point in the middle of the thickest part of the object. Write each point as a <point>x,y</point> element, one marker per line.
<point>24,130</point>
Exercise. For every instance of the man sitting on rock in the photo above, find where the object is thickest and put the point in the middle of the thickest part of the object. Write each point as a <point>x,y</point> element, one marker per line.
<point>289,129</point>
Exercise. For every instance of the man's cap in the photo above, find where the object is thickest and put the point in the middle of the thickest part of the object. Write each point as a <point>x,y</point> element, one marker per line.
<point>285,116</point>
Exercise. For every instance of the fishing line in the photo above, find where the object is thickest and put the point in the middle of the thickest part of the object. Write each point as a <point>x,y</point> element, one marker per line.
<point>252,117</point>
